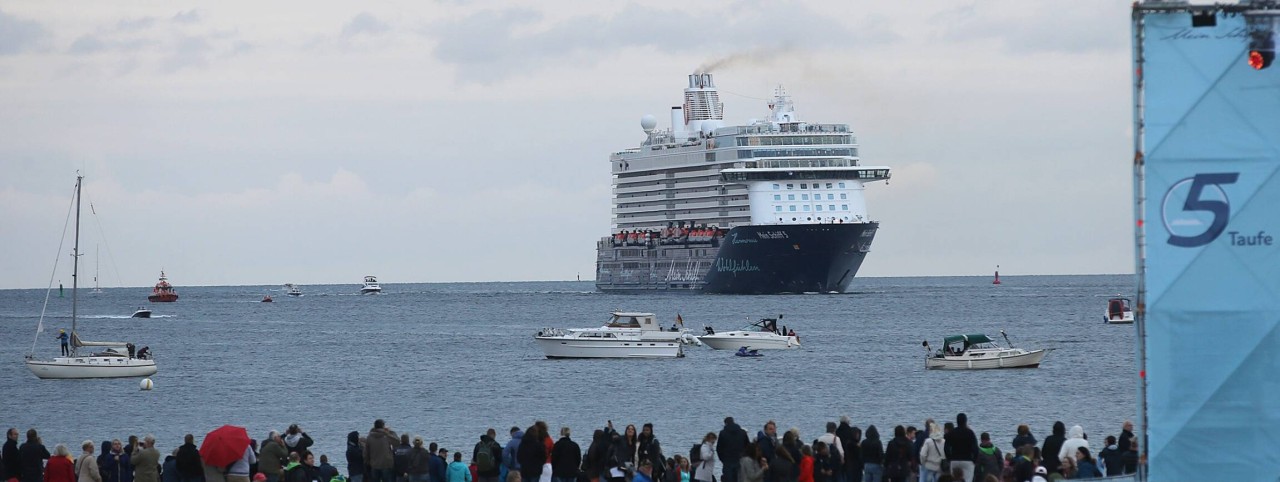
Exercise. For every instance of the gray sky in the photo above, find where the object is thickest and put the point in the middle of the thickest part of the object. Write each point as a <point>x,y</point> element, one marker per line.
<point>311,142</point>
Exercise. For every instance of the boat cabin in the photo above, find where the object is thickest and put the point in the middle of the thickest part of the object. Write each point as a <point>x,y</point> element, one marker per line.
<point>643,321</point>
<point>1117,307</point>
<point>959,344</point>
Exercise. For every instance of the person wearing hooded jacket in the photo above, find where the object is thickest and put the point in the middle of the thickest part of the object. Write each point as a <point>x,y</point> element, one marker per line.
<point>962,447</point>
<point>931,454</point>
<point>379,453</point>
<point>897,456</point>
<point>102,460</point>
<point>491,448</point>
<point>1052,446</point>
<point>355,458</point>
<point>510,462</point>
<point>872,456</point>
<point>990,460</point>
<point>1075,440</point>
<point>296,440</point>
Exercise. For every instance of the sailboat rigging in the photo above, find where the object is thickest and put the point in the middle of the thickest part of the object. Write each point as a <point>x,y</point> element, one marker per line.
<point>116,360</point>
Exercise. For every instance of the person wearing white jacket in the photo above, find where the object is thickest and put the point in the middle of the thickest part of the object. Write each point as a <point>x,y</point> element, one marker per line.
<point>931,454</point>
<point>1075,440</point>
<point>706,470</point>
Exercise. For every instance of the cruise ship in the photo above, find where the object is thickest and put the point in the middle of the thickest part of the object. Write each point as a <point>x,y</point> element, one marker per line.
<point>772,206</point>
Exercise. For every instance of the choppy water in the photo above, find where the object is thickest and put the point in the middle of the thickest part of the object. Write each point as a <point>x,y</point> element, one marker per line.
<point>448,360</point>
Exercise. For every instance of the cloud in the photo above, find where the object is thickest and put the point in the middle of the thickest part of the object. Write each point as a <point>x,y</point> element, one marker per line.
<point>364,24</point>
<point>18,35</point>
<point>134,24</point>
<point>189,16</point>
<point>486,45</point>
<point>1031,28</point>
<point>189,52</point>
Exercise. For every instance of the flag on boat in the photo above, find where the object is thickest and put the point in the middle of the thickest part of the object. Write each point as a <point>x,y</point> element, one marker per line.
<point>679,319</point>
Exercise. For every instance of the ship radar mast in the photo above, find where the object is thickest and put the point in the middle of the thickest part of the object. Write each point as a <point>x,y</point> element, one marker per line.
<point>781,109</point>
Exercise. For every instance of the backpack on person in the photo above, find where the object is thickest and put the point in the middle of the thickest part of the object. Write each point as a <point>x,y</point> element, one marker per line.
<point>695,454</point>
<point>484,459</point>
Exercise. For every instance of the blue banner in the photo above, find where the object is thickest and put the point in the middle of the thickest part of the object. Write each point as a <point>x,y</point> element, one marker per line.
<point>1211,144</point>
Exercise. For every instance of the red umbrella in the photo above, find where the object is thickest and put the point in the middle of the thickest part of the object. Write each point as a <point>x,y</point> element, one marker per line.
<point>224,445</point>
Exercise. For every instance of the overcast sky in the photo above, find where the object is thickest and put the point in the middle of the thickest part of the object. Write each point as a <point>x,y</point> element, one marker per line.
<point>316,142</point>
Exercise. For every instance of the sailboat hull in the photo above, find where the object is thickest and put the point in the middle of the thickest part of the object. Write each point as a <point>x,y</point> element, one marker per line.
<point>91,367</point>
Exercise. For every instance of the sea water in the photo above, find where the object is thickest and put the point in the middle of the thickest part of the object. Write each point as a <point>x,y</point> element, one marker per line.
<point>447,361</point>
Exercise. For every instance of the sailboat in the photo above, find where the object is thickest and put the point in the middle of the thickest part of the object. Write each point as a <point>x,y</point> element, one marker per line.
<point>96,262</point>
<point>115,360</point>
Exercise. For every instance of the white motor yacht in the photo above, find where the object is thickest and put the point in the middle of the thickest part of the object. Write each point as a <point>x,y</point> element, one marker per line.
<point>626,335</point>
<point>293,289</point>
<point>761,335</point>
<point>1118,312</point>
<point>370,286</point>
<point>973,352</point>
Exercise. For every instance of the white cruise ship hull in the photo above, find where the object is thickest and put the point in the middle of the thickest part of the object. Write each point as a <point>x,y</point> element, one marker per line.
<point>977,361</point>
<point>733,340</point>
<point>91,367</point>
<point>569,347</point>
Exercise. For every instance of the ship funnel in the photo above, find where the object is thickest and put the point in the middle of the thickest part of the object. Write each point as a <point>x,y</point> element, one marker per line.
<point>702,100</point>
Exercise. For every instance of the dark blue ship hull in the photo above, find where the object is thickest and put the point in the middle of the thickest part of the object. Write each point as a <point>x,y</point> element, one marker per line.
<point>747,260</point>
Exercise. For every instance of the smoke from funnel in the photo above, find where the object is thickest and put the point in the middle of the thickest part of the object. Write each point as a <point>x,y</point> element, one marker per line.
<point>756,57</point>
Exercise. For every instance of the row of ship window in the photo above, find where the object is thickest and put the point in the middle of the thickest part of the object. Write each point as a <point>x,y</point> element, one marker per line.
<point>805,197</point>
<point>817,207</point>
<point>806,186</point>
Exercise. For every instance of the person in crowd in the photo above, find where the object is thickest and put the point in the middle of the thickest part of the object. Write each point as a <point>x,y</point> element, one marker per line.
<point>829,438</point>
<point>1024,437</point>
<point>510,463</point>
<point>729,447</point>
<point>989,460</point>
<point>438,462</point>
<point>103,458</point>
<point>932,452</point>
<point>12,468</point>
<point>295,471</point>
<point>962,446</point>
<point>169,468</point>
<point>782,468</point>
<point>532,454</point>
<point>190,467</point>
<point>327,472</point>
<point>1126,435</point>
<point>400,458</point>
<point>706,468</point>
<point>1130,458</point>
<point>897,456</point>
<point>822,462</point>
<point>117,467</point>
<point>458,470</point>
<point>132,446</point>
<point>1086,467</point>
<point>419,463</point>
<point>487,456</point>
<point>297,440</point>
<point>807,464</point>
<point>379,453</point>
<point>1066,469</point>
<point>86,465</point>
<point>1074,441</point>
<point>849,437</point>
<point>242,468</point>
<point>146,462</point>
<point>1110,458</point>
<point>791,443</point>
<point>60,467</point>
<point>767,443</point>
<point>632,439</point>
<point>355,457</point>
<point>648,448</point>
<point>272,458</point>
<point>1052,445</point>
<point>751,466</point>
<point>566,457</point>
<point>644,473</point>
<point>872,456</point>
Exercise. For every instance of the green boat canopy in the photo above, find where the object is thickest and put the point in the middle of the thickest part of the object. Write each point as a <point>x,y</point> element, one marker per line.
<point>967,339</point>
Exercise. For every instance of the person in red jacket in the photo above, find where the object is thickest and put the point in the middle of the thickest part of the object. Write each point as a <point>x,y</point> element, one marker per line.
<point>60,468</point>
<point>806,465</point>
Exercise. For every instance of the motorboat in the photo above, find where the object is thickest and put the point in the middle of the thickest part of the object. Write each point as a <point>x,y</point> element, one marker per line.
<point>163,292</point>
<point>1118,312</point>
<point>625,335</point>
<point>293,289</point>
<point>370,286</point>
<point>114,360</point>
<point>267,299</point>
<point>744,352</point>
<point>142,313</point>
<point>761,335</point>
<point>978,351</point>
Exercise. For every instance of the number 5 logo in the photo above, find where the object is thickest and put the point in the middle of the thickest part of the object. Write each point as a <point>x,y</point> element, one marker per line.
<point>1203,202</point>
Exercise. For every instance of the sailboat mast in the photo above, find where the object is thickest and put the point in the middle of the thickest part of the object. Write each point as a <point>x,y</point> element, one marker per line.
<point>75,265</point>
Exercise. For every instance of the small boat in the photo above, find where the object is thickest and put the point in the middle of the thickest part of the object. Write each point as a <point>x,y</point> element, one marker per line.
<point>293,289</point>
<point>761,335</point>
<point>972,352</point>
<point>1118,312</point>
<point>142,313</point>
<point>267,299</point>
<point>747,352</point>
<point>626,335</point>
<point>370,286</point>
<point>116,360</point>
<point>163,291</point>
